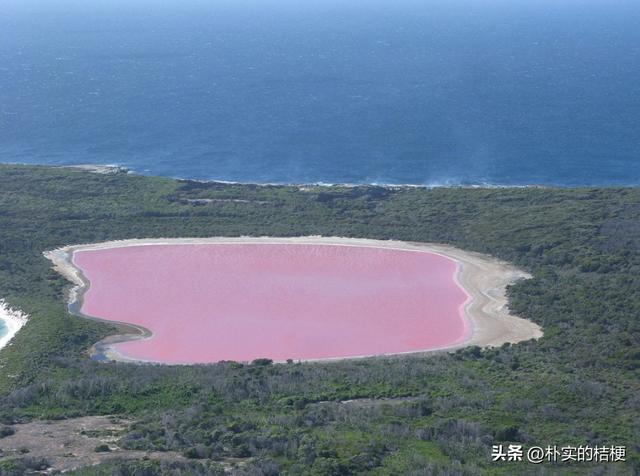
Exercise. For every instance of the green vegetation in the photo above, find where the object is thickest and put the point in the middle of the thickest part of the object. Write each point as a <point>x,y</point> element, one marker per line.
<point>413,415</point>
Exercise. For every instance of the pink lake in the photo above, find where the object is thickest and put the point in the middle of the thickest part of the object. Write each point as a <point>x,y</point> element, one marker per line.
<point>212,302</point>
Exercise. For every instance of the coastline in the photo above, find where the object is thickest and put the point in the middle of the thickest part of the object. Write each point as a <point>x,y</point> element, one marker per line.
<point>484,279</point>
<point>109,169</point>
<point>13,319</point>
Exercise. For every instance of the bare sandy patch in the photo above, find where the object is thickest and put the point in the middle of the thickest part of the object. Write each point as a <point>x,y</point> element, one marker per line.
<point>71,444</point>
<point>483,277</point>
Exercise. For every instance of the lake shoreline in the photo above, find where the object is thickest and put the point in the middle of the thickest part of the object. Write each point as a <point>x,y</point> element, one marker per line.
<point>483,278</point>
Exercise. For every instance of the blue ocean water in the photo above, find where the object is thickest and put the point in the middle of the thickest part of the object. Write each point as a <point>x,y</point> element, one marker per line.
<point>364,91</point>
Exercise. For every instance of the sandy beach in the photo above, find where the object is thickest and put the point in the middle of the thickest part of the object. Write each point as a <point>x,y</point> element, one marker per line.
<point>482,277</point>
<point>13,320</point>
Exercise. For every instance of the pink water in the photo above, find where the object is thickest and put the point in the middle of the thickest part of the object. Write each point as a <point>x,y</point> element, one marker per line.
<point>205,303</point>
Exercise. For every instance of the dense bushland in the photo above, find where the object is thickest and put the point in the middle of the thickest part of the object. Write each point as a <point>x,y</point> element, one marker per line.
<point>413,415</point>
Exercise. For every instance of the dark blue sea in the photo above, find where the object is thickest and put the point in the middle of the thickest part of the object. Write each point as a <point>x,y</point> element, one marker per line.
<point>429,92</point>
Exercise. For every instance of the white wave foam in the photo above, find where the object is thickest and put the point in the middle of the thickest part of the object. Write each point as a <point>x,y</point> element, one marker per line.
<point>13,320</point>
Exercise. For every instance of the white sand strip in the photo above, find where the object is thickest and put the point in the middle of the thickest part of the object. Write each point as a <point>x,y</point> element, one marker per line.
<point>13,320</point>
<point>483,277</point>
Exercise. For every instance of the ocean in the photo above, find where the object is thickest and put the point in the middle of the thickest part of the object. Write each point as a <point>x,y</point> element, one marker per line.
<point>433,92</point>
